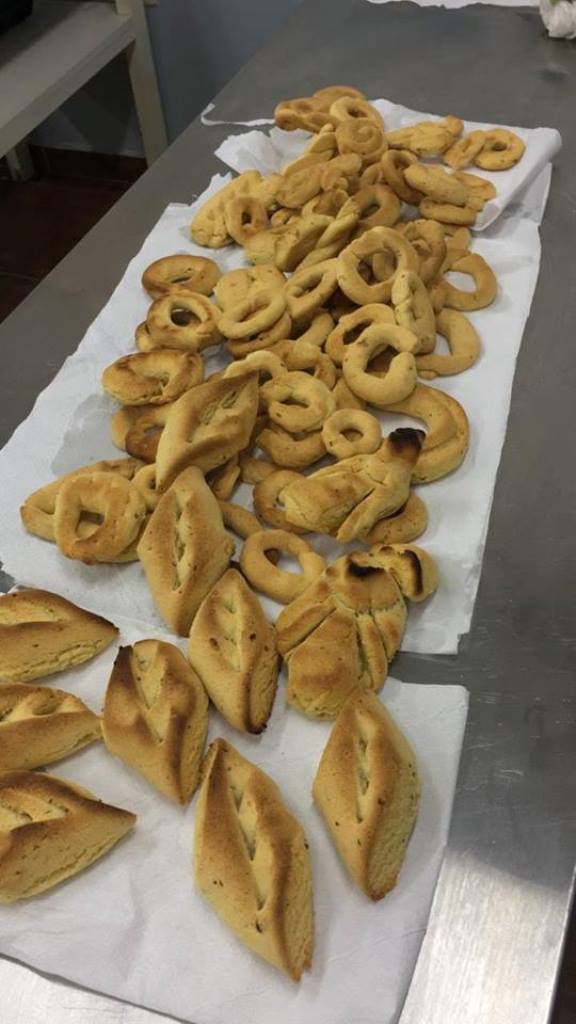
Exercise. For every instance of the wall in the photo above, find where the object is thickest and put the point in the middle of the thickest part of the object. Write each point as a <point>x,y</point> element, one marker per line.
<point>198,46</point>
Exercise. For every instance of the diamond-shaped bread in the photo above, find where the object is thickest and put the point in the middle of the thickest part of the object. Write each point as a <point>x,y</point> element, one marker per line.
<point>156,716</point>
<point>368,791</point>
<point>251,861</point>
<point>207,426</point>
<point>184,549</point>
<point>232,646</point>
<point>42,633</point>
<point>39,725</point>
<point>51,829</point>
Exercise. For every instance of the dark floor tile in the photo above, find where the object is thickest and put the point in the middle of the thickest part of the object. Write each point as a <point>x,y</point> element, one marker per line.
<point>67,163</point>
<point>43,219</point>
<point>13,290</point>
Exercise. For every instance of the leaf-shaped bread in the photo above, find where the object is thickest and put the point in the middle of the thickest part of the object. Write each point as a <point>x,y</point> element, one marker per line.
<point>184,549</point>
<point>42,633</point>
<point>51,829</point>
<point>368,791</point>
<point>340,634</point>
<point>156,716</point>
<point>233,649</point>
<point>207,426</point>
<point>251,860</point>
<point>39,725</point>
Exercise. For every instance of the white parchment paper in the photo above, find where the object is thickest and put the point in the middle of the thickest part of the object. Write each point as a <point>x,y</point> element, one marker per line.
<point>133,926</point>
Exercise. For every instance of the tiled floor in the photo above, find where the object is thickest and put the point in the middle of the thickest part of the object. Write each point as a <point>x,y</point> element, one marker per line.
<point>42,219</point>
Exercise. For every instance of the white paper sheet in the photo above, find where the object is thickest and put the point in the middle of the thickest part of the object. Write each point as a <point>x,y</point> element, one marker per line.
<point>72,416</point>
<point>133,925</point>
<point>269,152</point>
<point>452,4</point>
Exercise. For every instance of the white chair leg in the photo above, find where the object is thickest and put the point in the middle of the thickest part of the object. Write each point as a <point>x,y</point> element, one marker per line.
<point>20,163</point>
<point>144,82</point>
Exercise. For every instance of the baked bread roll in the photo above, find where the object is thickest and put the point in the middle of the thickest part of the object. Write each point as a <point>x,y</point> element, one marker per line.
<point>39,725</point>
<point>341,634</point>
<point>37,512</point>
<point>42,633</point>
<point>156,717</point>
<point>184,549</point>
<point>367,789</point>
<point>251,861</point>
<point>207,426</point>
<point>50,830</point>
<point>414,570</point>
<point>233,649</point>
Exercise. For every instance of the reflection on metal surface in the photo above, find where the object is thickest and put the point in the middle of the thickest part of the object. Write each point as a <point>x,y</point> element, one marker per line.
<point>505,915</point>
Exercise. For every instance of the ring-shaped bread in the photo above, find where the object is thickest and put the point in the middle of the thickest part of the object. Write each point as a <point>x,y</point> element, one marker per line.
<point>365,429</point>
<point>183,320</point>
<point>279,584</point>
<point>115,504</point>
<point>182,273</point>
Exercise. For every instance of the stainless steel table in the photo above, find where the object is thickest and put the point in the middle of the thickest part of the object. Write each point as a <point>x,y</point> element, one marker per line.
<point>496,932</point>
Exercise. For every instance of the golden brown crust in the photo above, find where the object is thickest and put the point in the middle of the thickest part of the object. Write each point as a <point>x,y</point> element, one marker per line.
<point>368,791</point>
<point>207,426</point>
<point>232,647</point>
<point>341,634</point>
<point>183,320</point>
<point>251,861</point>
<point>37,512</point>
<point>348,497</point>
<point>279,584</point>
<point>448,433</point>
<point>414,570</point>
<point>153,377</point>
<point>39,725</point>
<point>156,717</point>
<point>50,830</point>
<point>181,272</point>
<point>42,633</point>
<point>184,549</point>
<point>408,523</point>
<point>120,510</point>
<point>239,519</point>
